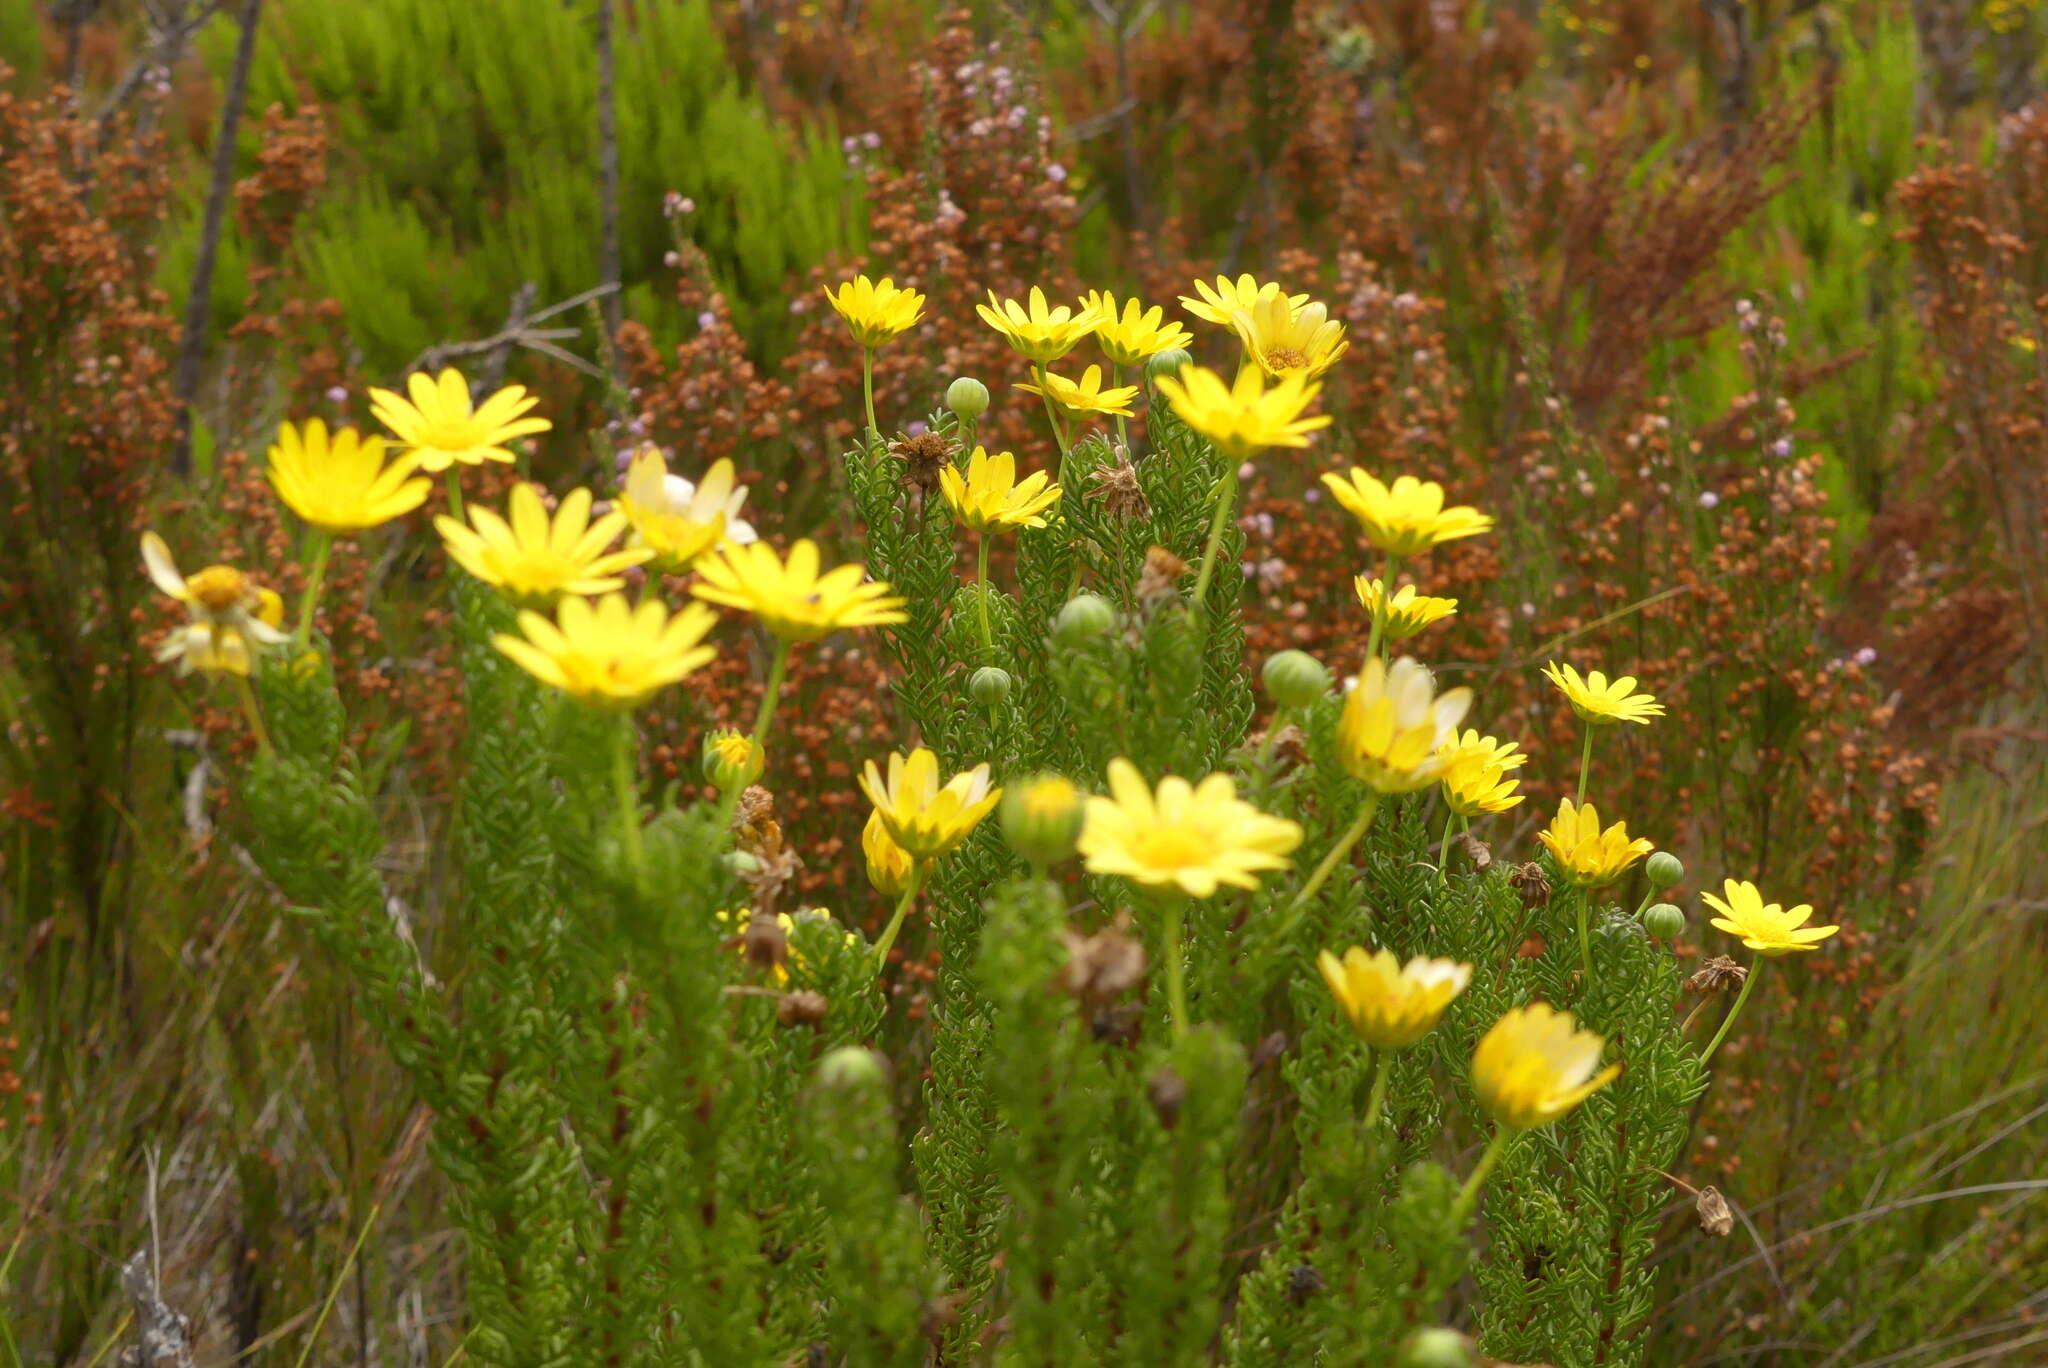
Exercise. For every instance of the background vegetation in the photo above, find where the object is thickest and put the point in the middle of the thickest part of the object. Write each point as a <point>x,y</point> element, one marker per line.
<point>1738,314</point>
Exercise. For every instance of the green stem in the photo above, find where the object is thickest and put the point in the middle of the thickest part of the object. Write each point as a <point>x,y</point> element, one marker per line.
<point>910,891</point>
<point>1755,966</point>
<point>628,789</point>
<point>454,479</point>
<point>1116,380</point>
<point>316,574</point>
<point>867,389</point>
<point>1379,613</point>
<point>1377,1097</point>
<point>1585,939</point>
<point>1443,850</point>
<point>1266,743</point>
<point>1468,1196</point>
<point>1226,499</point>
<point>327,1307</point>
<point>252,712</point>
<point>1585,765</point>
<point>1176,968</point>
<point>988,641</point>
<point>1052,415</point>
<point>1352,834</point>
<point>778,670</point>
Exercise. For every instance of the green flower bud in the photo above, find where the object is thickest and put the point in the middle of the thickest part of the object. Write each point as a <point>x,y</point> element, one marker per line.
<point>732,760</point>
<point>1437,1348</point>
<point>740,862</point>
<point>1168,362</point>
<point>1042,818</point>
<point>851,1066</point>
<point>988,685</point>
<point>967,397</point>
<point>1663,869</point>
<point>1664,921</point>
<point>1296,679</point>
<point>1083,617</point>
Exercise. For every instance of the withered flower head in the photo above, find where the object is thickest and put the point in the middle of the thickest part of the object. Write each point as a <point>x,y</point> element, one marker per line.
<point>1715,1217</point>
<point>1118,488</point>
<point>1290,748</point>
<point>1102,967</point>
<point>773,871</point>
<point>923,457</point>
<point>764,942</point>
<point>1718,975</point>
<point>1162,572</point>
<point>1528,881</point>
<point>801,1008</point>
<point>1475,851</point>
<point>757,805</point>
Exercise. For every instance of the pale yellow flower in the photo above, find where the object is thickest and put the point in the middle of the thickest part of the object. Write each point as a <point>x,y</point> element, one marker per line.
<point>792,600</point>
<point>1282,338</point>
<point>342,483</point>
<point>1408,613</point>
<point>1588,856</point>
<point>1601,702</point>
<point>1470,744</point>
<point>1190,837</point>
<point>1474,785</point>
<point>1039,334</point>
<point>1535,1065</point>
<point>1390,1004</point>
<point>233,622</point>
<point>1086,395</point>
<point>1243,417</point>
<point>990,496</point>
<point>439,427</point>
<point>534,559</point>
<point>876,311</point>
<point>1217,305</point>
<point>676,519</point>
<point>610,654</point>
<point>1767,928</point>
<point>1137,334</point>
<point>889,865</point>
<point>1406,517</point>
<point>1395,724</point>
<point>927,819</point>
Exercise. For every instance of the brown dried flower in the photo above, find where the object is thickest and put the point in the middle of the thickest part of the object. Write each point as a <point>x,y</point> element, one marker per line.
<point>1529,883</point>
<point>1161,576</point>
<point>1118,488</point>
<point>803,1007</point>
<point>1102,967</point>
<point>1718,975</point>
<point>923,457</point>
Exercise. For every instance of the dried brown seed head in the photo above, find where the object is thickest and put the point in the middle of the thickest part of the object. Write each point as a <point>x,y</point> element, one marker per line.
<point>1102,967</point>
<point>923,457</point>
<point>1715,1217</point>
<point>801,1008</point>
<point>1718,975</point>
<point>1529,883</point>
<point>1118,488</point>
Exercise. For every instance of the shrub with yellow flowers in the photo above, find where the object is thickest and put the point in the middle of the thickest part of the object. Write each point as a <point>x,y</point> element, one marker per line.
<point>1196,991</point>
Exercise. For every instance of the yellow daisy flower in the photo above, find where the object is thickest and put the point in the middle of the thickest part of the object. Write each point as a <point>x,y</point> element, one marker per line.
<point>1190,837</point>
<point>919,815</point>
<point>889,865</point>
<point>677,520</point>
<point>792,600</point>
<point>1390,1004</point>
<point>233,619</point>
<point>1600,702</point>
<point>1282,338</point>
<point>439,428</point>
<point>1085,395</point>
<point>1038,334</point>
<point>737,922</point>
<point>1588,856</point>
<point>876,311</point>
<point>1407,614</point>
<point>1535,1065</point>
<point>535,560</point>
<point>342,484</point>
<point>732,759</point>
<point>1243,417</point>
<point>991,496</point>
<point>1137,334</point>
<point>1219,304</point>
<point>1406,518</point>
<point>608,653</point>
<point>1471,745</point>
<point>1474,786</point>
<point>1766,928</point>
<point>1394,725</point>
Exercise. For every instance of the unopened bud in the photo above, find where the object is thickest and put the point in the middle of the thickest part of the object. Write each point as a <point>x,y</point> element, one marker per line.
<point>851,1066</point>
<point>1085,616</point>
<point>732,760</point>
<point>1042,818</point>
<point>1296,679</point>
<point>967,397</point>
<point>1437,1348</point>
<point>1168,362</point>
<point>1664,921</point>
<point>989,685</point>
<point>1663,869</point>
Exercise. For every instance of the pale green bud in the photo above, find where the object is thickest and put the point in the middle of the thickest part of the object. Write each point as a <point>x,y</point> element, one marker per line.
<point>988,685</point>
<point>967,397</point>
<point>1042,818</point>
<point>1295,679</point>
<point>1663,869</point>
<point>1168,362</point>
<point>1664,921</point>
<point>1084,616</point>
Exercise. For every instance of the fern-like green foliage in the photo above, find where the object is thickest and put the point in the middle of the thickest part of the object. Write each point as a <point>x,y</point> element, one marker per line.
<point>667,1147</point>
<point>467,153</point>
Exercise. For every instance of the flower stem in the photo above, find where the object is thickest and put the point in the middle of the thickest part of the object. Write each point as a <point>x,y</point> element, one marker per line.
<point>1116,380</point>
<point>867,389</point>
<point>778,670</point>
<point>1585,765</point>
<point>1468,1196</point>
<point>1755,966</point>
<point>1226,499</point>
<point>316,573</point>
<point>1352,834</point>
<point>628,789</point>
<point>1377,1097</point>
<point>1379,614</point>
<point>1059,429</point>
<point>1176,968</point>
<point>1443,850</point>
<point>455,491</point>
<point>988,641</point>
<point>1585,938</point>
<point>252,712</point>
<point>910,891</point>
